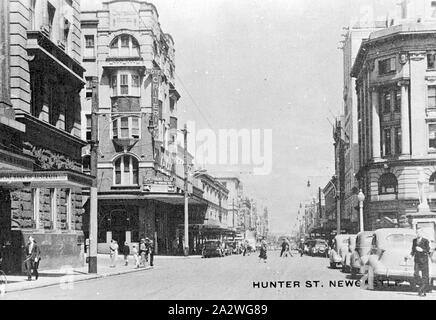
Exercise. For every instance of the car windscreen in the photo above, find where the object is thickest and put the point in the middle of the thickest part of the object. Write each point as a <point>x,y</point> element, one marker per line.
<point>400,240</point>
<point>211,244</point>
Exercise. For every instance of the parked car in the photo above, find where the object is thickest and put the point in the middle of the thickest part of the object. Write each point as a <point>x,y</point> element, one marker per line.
<point>307,246</point>
<point>213,248</point>
<point>319,247</point>
<point>361,252</point>
<point>346,254</point>
<point>389,259</point>
<point>338,250</point>
<point>228,247</point>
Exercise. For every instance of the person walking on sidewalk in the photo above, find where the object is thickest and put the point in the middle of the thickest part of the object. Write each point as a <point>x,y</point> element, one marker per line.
<point>126,253</point>
<point>420,252</point>
<point>263,250</point>
<point>143,252</point>
<point>33,256</point>
<point>135,256</point>
<point>113,253</point>
<point>151,251</point>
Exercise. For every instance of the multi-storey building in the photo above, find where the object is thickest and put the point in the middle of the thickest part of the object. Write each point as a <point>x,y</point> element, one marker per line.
<point>351,44</point>
<point>395,75</point>
<point>234,185</point>
<point>140,164</point>
<point>42,76</point>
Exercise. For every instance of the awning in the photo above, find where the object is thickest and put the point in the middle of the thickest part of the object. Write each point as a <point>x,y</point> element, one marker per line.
<point>170,198</point>
<point>44,179</point>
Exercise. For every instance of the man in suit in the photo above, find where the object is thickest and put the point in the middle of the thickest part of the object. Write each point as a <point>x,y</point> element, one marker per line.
<point>420,252</point>
<point>33,255</point>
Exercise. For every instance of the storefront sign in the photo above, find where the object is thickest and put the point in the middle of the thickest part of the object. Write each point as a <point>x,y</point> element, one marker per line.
<point>155,81</point>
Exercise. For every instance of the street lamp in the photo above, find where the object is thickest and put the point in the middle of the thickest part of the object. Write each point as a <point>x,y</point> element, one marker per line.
<point>361,198</point>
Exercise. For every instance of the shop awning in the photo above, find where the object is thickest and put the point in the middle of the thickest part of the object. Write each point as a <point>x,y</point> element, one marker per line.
<point>44,179</point>
<point>170,198</point>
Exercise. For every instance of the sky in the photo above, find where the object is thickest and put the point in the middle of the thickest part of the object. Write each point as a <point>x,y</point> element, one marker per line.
<point>268,65</point>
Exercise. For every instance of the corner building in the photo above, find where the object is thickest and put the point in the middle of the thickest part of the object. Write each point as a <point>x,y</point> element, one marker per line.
<point>395,75</point>
<point>140,164</point>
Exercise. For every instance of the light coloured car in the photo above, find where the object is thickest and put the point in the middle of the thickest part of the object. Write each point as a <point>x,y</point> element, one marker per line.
<point>390,257</point>
<point>338,250</point>
<point>359,256</point>
<point>319,248</point>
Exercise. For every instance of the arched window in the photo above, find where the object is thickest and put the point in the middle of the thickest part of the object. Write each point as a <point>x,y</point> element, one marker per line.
<point>387,184</point>
<point>432,182</point>
<point>126,170</point>
<point>124,46</point>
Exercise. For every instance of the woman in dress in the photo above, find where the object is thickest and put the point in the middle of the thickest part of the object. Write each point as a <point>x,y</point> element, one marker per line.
<point>263,249</point>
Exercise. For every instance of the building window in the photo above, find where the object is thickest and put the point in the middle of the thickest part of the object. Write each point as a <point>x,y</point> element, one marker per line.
<point>386,101</point>
<point>32,21</point>
<point>66,33</point>
<point>431,60</point>
<point>126,128</point>
<point>68,208</point>
<point>86,164</point>
<point>89,41</point>
<point>397,100</point>
<point>431,94</point>
<point>124,46</point>
<point>387,184</point>
<point>51,13</point>
<point>126,170</point>
<point>114,83</point>
<point>35,201</point>
<point>135,81</point>
<point>386,66</point>
<point>124,84</point>
<point>432,182</point>
<point>432,136</point>
<point>397,140</point>
<point>53,208</point>
<point>88,127</point>
<point>387,142</point>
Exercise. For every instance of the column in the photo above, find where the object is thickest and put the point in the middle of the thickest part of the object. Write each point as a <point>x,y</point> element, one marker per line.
<point>405,132</point>
<point>418,98</point>
<point>375,124</point>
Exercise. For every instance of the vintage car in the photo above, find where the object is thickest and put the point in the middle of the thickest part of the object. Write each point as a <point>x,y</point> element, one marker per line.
<point>390,257</point>
<point>213,248</point>
<point>346,253</point>
<point>338,250</point>
<point>319,247</point>
<point>308,244</point>
<point>360,254</point>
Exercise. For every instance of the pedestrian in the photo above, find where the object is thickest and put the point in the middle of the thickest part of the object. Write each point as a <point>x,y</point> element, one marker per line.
<point>420,252</point>
<point>113,253</point>
<point>135,256</point>
<point>263,250</point>
<point>126,253</point>
<point>284,245</point>
<point>33,256</point>
<point>151,251</point>
<point>301,247</point>
<point>142,253</point>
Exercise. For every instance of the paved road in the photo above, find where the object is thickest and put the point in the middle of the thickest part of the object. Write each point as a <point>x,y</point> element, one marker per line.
<point>222,278</point>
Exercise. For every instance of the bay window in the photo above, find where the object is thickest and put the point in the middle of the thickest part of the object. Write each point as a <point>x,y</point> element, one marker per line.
<point>126,128</point>
<point>125,83</point>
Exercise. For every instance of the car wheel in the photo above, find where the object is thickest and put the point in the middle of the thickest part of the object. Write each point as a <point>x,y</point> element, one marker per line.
<point>353,272</point>
<point>332,265</point>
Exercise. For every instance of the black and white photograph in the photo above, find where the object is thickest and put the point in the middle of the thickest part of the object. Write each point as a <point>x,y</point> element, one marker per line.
<point>240,151</point>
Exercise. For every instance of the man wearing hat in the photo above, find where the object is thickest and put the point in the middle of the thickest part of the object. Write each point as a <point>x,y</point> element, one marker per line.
<point>33,256</point>
<point>143,252</point>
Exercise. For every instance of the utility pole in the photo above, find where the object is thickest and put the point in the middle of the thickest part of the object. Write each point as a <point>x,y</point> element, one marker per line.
<point>93,210</point>
<point>233,211</point>
<point>185,166</point>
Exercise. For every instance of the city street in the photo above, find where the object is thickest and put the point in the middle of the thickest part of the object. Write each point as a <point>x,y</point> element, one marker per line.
<point>229,278</point>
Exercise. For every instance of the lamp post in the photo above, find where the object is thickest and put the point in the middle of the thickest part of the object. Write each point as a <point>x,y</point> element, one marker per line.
<point>361,198</point>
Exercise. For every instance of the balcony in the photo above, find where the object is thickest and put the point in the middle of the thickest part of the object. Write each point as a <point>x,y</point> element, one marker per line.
<point>39,44</point>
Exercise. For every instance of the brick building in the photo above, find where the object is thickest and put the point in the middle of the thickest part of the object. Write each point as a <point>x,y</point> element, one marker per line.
<point>41,177</point>
<point>395,83</point>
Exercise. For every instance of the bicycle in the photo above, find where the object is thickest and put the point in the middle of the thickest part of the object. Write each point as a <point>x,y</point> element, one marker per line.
<point>3,281</point>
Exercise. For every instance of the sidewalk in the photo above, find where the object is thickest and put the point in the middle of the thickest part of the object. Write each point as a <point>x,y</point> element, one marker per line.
<point>67,275</point>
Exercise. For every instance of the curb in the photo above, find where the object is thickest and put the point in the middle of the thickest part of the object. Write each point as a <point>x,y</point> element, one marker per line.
<point>86,277</point>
